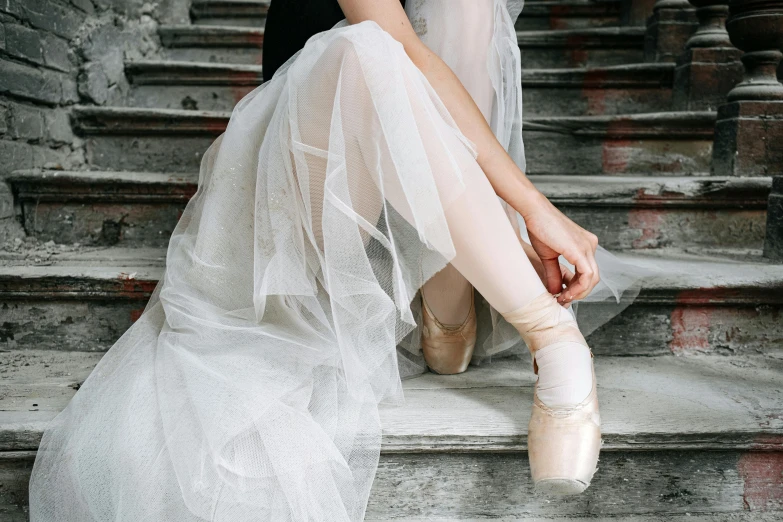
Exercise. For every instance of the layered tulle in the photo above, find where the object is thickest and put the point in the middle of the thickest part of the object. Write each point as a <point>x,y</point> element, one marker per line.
<point>249,388</point>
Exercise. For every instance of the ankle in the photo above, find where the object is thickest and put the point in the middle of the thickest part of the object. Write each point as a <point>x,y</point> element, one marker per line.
<point>543,322</point>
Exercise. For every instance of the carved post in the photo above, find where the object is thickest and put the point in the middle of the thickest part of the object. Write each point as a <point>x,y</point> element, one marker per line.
<point>773,243</point>
<point>709,67</point>
<point>669,27</point>
<point>749,128</point>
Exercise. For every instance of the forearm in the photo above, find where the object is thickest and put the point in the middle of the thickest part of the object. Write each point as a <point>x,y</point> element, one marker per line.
<point>508,181</point>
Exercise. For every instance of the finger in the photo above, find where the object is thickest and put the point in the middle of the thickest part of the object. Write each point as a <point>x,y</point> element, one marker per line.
<point>554,281</point>
<point>592,281</point>
<point>567,274</point>
<point>596,272</point>
<point>579,286</point>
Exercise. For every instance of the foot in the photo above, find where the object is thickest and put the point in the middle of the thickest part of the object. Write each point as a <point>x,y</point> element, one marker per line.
<point>447,348</point>
<point>564,436</point>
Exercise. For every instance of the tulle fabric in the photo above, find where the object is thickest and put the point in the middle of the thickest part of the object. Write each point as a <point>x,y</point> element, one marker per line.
<point>249,388</point>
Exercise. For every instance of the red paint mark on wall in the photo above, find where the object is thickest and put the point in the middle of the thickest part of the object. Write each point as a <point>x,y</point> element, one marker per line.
<point>615,155</point>
<point>135,314</point>
<point>558,16</point>
<point>648,221</point>
<point>594,91</point>
<point>690,330</point>
<point>762,473</point>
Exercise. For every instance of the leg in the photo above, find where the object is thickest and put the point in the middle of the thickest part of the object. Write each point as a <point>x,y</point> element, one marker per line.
<point>448,292</point>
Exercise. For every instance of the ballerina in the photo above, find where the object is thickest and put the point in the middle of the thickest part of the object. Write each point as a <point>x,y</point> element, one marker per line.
<point>249,388</point>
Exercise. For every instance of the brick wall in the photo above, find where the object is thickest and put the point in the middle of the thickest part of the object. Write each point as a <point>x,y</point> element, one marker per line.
<point>58,53</point>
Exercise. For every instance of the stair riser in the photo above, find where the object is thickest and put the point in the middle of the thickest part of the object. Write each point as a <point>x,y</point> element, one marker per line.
<point>649,228</point>
<point>577,56</point>
<point>554,153</point>
<point>587,155</point>
<point>106,224</point>
<point>150,153</point>
<point>92,321</point>
<point>626,227</point>
<point>532,57</point>
<point>487,485</point>
<point>453,486</point>
<point>84,325</point>
<point>590,101</point>
<point>563,21</point>
<point>537,100</point>
<point>664,329</point>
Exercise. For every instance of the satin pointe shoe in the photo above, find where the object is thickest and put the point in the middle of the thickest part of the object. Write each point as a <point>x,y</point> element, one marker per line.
<point>447,348</point>
<point>563,442</point>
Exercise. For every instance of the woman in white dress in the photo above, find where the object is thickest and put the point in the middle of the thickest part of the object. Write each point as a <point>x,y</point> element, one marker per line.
<point>249,388</point>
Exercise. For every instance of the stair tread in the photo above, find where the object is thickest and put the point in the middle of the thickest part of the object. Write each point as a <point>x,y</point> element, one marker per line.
<point>668,124</point>
<point>679,272</point>
<point>175,72</point>
<point>636,190</point>
<point>583,36</point>
<point>647,403</point>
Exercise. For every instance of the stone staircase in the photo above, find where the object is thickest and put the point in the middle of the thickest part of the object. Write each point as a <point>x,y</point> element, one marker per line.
<point>690,375</point>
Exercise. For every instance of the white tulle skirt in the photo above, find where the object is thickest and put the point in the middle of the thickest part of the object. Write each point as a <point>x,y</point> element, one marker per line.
<point>249,388</point>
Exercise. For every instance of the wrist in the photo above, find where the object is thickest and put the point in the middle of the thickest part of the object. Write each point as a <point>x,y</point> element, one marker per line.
<point>531,200</point>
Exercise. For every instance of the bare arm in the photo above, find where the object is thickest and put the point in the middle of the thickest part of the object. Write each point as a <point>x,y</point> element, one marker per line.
<point>550,231</point>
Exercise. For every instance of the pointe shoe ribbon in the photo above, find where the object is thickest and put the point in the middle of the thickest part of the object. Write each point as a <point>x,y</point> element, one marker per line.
<point>447,348</point>
<point>540,324</point>
<point>564,442</point>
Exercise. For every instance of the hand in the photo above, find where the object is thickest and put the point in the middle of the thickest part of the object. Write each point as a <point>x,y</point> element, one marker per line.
<point>538,266</point>
<point>552,234</point>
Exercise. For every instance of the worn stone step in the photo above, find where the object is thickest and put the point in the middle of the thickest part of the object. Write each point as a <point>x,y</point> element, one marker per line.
<point>140,209</point>
<point>540,49</point>
<point>250,13</point>
<point>568,14</point>
<point>545,14</point>
<point>581,47</point>
<point>700,435</point>
<point>190,85</point>
<point>592,91</point>
<point>667,143</point>
<point>580,91</point>
<point>221,44</point>
<point>85,299</point>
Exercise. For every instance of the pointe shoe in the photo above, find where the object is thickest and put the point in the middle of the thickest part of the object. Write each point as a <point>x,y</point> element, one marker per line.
<point>563,442</point>
<point>447,348</point>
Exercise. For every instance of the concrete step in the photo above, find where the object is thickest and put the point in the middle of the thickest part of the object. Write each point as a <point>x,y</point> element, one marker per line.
<point>84,299</point>
<point>666,143</point>
<point>580,91</point>
<point>137,209</point>
<point>701,435</point>
<point>569,14</point>
<point>540,49</point>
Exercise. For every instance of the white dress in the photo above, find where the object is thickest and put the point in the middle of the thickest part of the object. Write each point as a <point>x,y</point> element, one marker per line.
<point>249,388</point>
